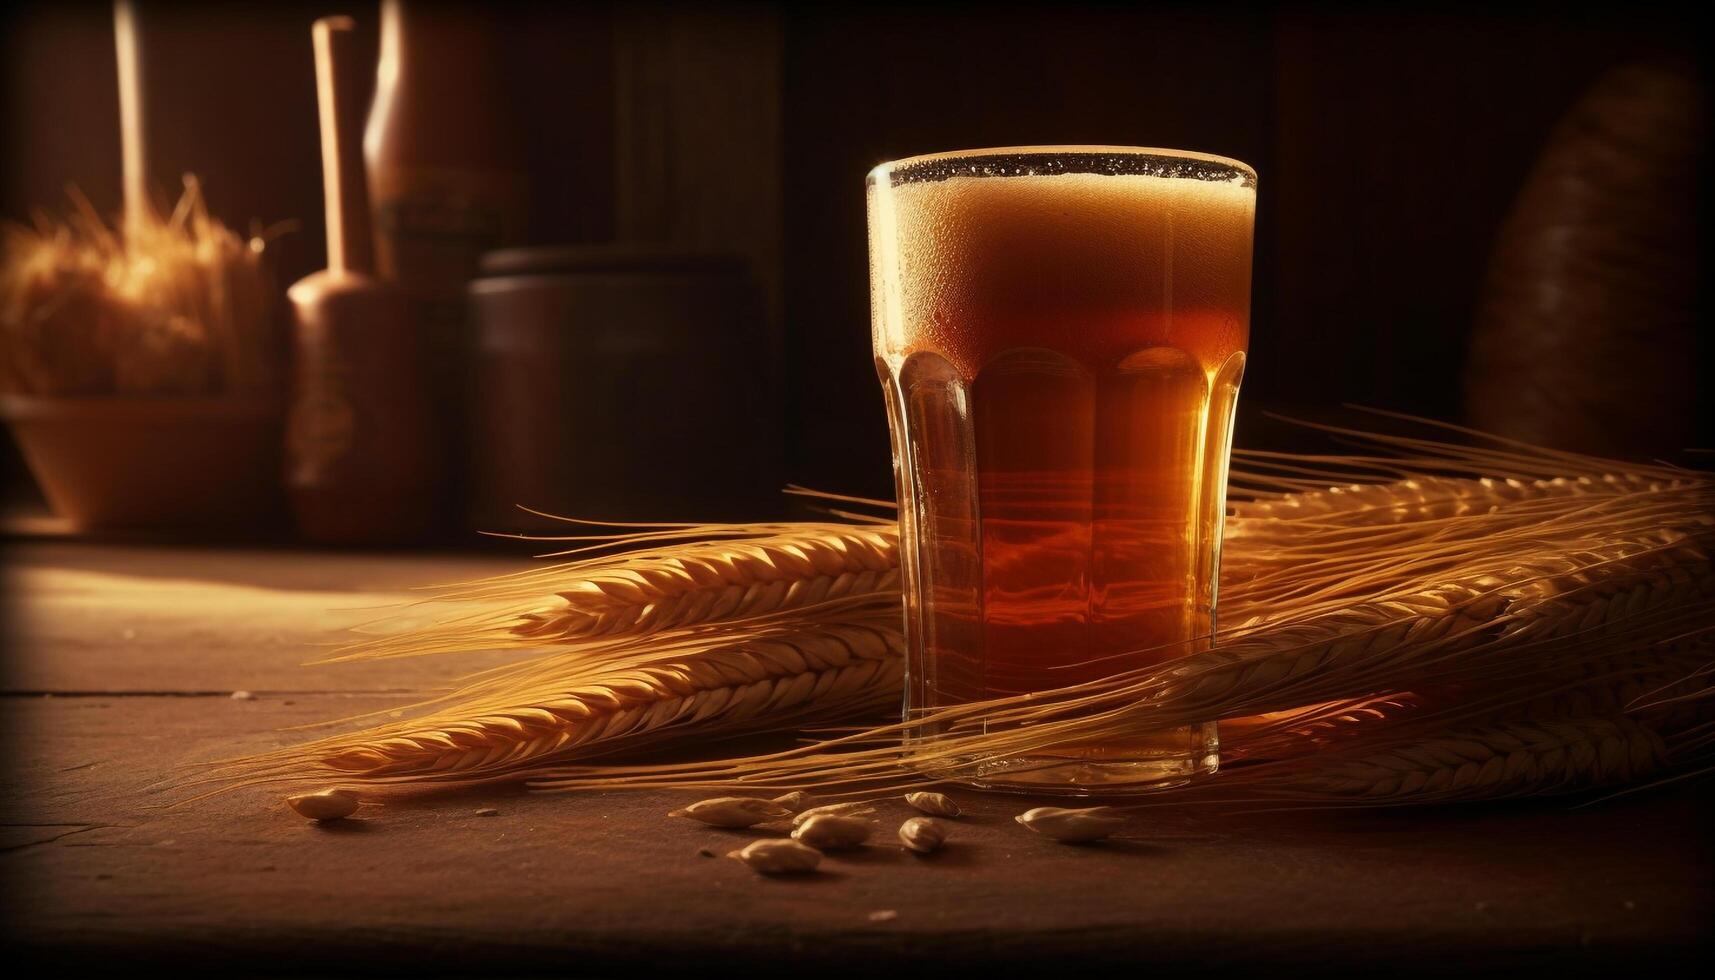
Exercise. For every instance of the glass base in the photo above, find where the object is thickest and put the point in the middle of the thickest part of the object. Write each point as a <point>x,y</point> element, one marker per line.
<point>1148,763</point>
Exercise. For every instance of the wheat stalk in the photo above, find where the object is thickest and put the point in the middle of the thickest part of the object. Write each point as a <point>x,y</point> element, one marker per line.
<point>1492,632</point>
<point>727,583</point>
<point>1320,564</point>
<point>1662,687</point>
<point>1434,498</point>
<point>1361,646</point>
<point>797,569</point>
<point>1490,762</point>
<point>1445,634</point>
<point>1345,597</point>
<point>1440,764</point>
<point>691,576</point>
<point>775,679</point>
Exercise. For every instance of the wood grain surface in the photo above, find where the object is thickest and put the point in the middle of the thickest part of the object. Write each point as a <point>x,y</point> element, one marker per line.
<point>119,667</point>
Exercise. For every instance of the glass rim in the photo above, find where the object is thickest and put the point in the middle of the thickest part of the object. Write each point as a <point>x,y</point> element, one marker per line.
<point>1044,160</point>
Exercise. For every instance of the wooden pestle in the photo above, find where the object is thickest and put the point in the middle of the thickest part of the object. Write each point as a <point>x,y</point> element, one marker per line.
<point>342,109</point>
<point>361,454</point>
<point>133,149</point>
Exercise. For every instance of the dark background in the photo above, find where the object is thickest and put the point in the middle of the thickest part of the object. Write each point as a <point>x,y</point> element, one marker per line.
<point>1390,142</point>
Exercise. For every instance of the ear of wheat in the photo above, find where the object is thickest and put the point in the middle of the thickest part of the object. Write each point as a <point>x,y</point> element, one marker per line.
<point>1439,638</point>
<point>472,739</point>
<point>1497,761</point>
<point>768,680</point>
<point>1357,606</point>
<point>706,575</point>
<point>709,575</point>
<point>1661,686</point>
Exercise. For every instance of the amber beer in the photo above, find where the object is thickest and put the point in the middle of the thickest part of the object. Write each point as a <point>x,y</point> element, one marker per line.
<point>1060,334</point>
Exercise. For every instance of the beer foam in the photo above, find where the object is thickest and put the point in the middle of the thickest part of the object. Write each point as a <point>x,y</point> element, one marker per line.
<point>969,265</point>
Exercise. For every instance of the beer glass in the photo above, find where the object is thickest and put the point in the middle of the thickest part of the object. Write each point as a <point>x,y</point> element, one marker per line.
<point>1060,334</point>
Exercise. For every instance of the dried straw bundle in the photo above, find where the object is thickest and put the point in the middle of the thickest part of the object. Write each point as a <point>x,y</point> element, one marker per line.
<point>1366,614</point>
<point>173,306</point>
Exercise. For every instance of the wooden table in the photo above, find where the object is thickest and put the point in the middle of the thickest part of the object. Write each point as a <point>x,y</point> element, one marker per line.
<point>120,665</point>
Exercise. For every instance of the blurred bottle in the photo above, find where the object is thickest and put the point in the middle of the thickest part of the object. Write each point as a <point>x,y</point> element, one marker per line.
<point>446,182</point>
<point>360,450</point>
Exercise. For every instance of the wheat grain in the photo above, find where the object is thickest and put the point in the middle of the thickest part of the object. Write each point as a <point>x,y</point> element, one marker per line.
<point>733,812</point>
<point>778,857</point>
<point>934,804</point>
<point>1072,826</point>
<point>830,832</point>
<point>329,804</point>
<point>923,834</point>
<point>853,808</point>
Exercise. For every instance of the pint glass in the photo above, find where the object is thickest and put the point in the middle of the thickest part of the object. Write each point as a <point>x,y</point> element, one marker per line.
<point>1060,334</point>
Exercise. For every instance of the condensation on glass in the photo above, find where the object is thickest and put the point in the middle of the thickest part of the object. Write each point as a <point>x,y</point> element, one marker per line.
<point>1060,334</point>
